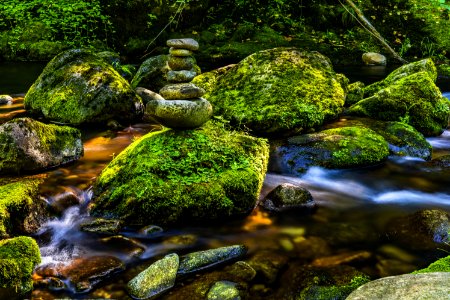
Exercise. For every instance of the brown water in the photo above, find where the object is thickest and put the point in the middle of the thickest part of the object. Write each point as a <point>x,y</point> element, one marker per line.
<point>354,207</point>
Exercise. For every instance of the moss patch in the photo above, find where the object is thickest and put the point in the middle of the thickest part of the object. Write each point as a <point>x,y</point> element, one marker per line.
<point>172,176</point>
<point>441,265</point>
<point>18,257</point>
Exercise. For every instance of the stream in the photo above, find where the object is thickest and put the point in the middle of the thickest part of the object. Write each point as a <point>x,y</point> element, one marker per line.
<point>354,207</point>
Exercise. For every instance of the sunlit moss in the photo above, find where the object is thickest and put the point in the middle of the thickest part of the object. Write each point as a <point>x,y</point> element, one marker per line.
<point>441,265</point>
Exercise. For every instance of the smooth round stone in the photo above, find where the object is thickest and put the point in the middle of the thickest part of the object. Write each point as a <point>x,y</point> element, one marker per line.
<point>181,91</point>
<point>177,63</point>
<point>189,44</point>
<point>372,58</point>
<point>147,95</point>
<point>180,114</point>
<point>6,99</point>
<point>180,76</point>
<point>180,52</point>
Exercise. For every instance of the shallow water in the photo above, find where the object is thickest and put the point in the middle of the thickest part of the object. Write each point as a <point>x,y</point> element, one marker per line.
<point>353,209</point>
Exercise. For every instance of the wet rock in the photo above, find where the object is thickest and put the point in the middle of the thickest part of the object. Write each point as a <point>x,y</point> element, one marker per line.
<point>355,93</point>
<point>18,257</point>
<point>389,266</point>
<point>311,247</point>
<point>267,265</point>
<point>442,162</point>
<point>345,234</point>
<point>242,270</point>
<point>147,95</point>
<point>27,145</point>
<point>372,58</point>
<point>197,261</point>
<point>177,63</point>
<point>188,43</point>
<point>60,202</point>
<point>181,91</point>
<point>405,287</point>
<point>345,147</point>
<point>78,87</point>
<point>181,240</point>
<point>340,259</point>
<point>180,76</point>
<point>151,74</point>
<point>180,52</point>
<point>425,229</point>
<point>288,196</point>
<point>223,290</point>
<point>6,99</point>
<point>51,283</point>
<point>180,114</point>
<point>156,279</point>
<point>150,230</point>
<point>127,245</point>
<point>101,226</point>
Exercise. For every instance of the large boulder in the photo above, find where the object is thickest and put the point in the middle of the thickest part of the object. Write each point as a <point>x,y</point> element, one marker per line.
<point>21,209</point>
<point>152,73</point>
<point>337,148</point>
<point>415,99</point>
<point>78,87</point>
<point>172,176</point>
<point>18,257</point>
<point>276,90</point>
<point>27,145</point>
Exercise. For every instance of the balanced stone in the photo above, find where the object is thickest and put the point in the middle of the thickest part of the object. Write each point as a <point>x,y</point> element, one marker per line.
<point>147,95</point>
<point>181,76</point>
<point>181,91</point>
<point>177,63</point>
<point>180,52</point>
<point>189,44</point>
<point>180,114</point>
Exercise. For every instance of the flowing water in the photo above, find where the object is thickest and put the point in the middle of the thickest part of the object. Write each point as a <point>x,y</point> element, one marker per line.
<point>354,207</point>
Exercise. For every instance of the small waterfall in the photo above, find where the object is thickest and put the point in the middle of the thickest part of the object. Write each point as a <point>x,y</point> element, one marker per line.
<point>440,142</point>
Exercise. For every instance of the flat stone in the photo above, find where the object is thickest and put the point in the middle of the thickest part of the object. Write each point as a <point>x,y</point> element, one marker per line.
<point>201,260</point>
<point>372,58</point>
<point>223,290</point>
<point>5,99</point>
<point>102,226</point>
<point>180,76</point>
<point>156,279</point>
<point>181,91</point>
<point>180,52</point>
<point>188,43</point>
<point>147,95</point>
<point>177,63</point>
<point>180,114</point>
<point>405,287</point>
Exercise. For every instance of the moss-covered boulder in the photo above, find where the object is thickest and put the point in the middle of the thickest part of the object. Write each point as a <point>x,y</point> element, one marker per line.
<point>414,99</point>
<point>18,257</point>
<point>21,209</point>
<point>424,65</point>
<point>27,145</point>
<point>172,176</point>
<point>152,73</point>
<point>78,87</point>
<point>355,93</point>
<point>345,147</point>
<point>444,70</point>
<point>277,90</point>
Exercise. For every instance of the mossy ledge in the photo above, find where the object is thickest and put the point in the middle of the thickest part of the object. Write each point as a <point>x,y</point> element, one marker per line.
<point>173,176</point>
<point>441,265</point>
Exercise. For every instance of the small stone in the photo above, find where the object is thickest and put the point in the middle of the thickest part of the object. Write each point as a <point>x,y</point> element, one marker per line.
<point>156,279</point>
<point>6,99</point>
<point>102,226</point>
<point>223,290</point>
<point>189,44</point>
<point>201,260</point>
<point>179,52</point>
<point>180,76</point>
<point>242,270</point>
<point>147,95</point>
<point>181,91</point>
<point>372,58</point>
<point>181,63</point>
<point>150,230</point>
<point>288,196</point>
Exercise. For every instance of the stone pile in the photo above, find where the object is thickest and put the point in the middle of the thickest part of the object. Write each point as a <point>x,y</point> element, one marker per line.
<point>183,106</point>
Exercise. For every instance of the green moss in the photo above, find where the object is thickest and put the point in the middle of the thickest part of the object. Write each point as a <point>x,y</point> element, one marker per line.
<point>355,93</point>
<point>333,291</point>
<point>18,257</point>
<point>278,90</point>
<point>151,73</point>
<point>441,265</point>
<point>444,70</point>
<point>413,99</point>
<point>170,176</point>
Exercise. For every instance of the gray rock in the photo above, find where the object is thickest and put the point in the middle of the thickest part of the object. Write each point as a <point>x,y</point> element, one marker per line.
<point>181,91</point>
<point>288,196</point>
<point>5,99</point>
<point>180,76</point>
<point>196,261</point>
<point>181,114</point>
<point>223,290</point>
<point>151,73</point>
<point>28,145</point>
<point>189,44</point>
<point>156,279</point>
<point>372,58</point>
<point>180,52</point>
<point>147,95</point>
<point>100,225</point>
<point>405,287</point>
<point>177,63</point>
<point>150,230</point>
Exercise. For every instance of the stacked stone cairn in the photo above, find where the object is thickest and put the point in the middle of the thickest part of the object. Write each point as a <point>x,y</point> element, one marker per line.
<point>183,106</point>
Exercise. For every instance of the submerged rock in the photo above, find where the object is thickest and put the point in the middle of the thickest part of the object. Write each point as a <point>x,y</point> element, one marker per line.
<point>197,261</point>
<point>277,90</point>
<point>183,176</point>
<point>150,230</point>
<point>151,74</point>
<point>18,257</point>
<point>288,196</point>
<point>27,146</point>
<point>156,279</point>
<point>405,287</point>
<point>268,265</point>
<point>223,290</point>
<point>79,87</point>
<point>102,226</point>
<point>345,147</point>
<point>415,99</point>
